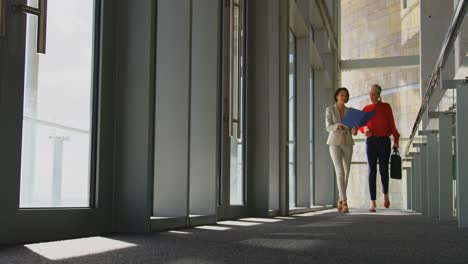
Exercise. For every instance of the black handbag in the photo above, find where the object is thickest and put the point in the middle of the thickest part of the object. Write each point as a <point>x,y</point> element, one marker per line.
<point>395,165</point>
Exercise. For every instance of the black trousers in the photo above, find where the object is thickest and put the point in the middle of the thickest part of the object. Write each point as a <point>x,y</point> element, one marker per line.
<point>378,149</point>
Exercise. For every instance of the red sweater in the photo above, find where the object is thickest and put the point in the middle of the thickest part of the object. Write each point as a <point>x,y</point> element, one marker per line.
<point>382,123</point>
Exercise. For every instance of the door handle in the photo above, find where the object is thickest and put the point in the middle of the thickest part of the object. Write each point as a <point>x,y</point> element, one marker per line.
<point>41,13</point>
<point>2,17</point>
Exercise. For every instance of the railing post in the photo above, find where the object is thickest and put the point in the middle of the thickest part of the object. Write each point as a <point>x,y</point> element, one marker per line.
<point>409,188</point>
<point>417,182</point>
<point>432,173</point>
<point>57,170</point>
<point>424,200</point>
<point>423,177</point>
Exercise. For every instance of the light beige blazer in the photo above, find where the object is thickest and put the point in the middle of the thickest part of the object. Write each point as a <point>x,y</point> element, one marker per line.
<point>332,119</point>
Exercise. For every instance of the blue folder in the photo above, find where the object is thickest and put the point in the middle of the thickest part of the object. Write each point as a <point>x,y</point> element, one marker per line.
<point>356,118</point>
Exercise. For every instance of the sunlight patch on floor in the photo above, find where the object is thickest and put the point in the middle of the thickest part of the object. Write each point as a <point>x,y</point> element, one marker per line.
<point>213,227</point>
<point>179,232</point>
<point>283,244</point>
<point>237,223</point>
<point>315,213</point>
<point>66,249</point>
<point>285,217</point>
<point>261,220</point>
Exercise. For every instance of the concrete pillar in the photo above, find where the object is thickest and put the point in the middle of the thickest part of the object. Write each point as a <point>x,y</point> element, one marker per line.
<point>134,127</point>
<point>445,167</point>
<point>433,175</point>
<point>283,75</point>
<point>303,114</point>
<point>324,177</point>
<point>266,86</point>
<point>271,63</point>
<point>171,166</point>
<point>204,123</point>
<point>435,18</point>
<point>462,154</point>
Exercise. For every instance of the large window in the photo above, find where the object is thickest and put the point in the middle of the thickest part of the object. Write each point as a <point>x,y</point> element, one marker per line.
<point>394,32</point>
<point>58,101</point>
<point>292,120</point>
<point>237,149</point>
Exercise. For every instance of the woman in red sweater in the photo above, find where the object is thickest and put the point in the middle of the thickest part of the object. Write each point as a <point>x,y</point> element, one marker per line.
<point>378,131</point>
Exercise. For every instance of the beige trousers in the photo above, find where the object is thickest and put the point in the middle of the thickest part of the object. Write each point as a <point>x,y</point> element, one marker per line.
<point>341,156</point>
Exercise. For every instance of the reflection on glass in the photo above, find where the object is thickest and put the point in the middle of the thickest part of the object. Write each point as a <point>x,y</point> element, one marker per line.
<point>236,140</point>
<point>292,121</point>
<point>56,148</point>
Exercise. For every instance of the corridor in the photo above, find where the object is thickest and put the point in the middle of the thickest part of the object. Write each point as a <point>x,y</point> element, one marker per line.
<point>389,236</point>
<point>165,131</point>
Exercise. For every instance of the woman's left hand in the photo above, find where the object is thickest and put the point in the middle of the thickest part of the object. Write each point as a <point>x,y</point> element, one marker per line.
<point>395,146</point>
<point>354,130</point>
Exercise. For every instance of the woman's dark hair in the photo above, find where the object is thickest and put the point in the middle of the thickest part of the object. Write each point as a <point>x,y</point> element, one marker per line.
<point>339,90</point>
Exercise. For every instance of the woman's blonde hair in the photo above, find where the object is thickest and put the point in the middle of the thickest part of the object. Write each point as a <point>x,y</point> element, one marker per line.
<point>378,88</point>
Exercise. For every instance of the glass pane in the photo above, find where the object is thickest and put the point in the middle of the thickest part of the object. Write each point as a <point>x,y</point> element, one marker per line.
<point>401,89</point>
<point>394,30</point>
<point>292,175</point>
<point>55,166</point>
<point>292,120</point>
<point>237,154</point>
<point>237,169</point>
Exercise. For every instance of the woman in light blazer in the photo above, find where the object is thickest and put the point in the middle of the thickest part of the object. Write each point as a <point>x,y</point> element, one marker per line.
<point>341,144</point>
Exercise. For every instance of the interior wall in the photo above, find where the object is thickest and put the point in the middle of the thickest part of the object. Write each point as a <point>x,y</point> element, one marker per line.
<point>204,118</point>
<point>134,114</point>
<point>304,117</point>
<point>262,58</point>
<point>435,20</point>
<point>324,175</point>
<point>173,88</point>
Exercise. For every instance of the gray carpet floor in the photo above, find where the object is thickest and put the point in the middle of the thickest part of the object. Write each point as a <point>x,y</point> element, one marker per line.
<point>389,236</point>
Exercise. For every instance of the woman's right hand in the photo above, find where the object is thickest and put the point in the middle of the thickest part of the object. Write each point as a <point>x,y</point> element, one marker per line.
<point>367,133</point>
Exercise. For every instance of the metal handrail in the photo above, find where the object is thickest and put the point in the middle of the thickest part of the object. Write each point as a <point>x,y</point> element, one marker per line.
<point>56,125</point>
<point>447,46</point>
<point>363,139</point>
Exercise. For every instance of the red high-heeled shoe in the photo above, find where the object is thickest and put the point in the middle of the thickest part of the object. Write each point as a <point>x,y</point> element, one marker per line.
<point>372,210</point>
<point>387,203</point>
